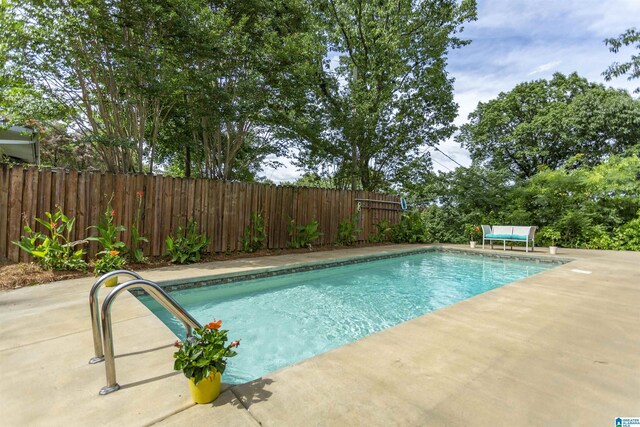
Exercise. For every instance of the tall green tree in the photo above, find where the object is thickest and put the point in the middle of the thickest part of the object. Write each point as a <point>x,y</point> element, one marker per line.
<point>381,92</point>
<point>60,146</point>
<point>549,123</point>
<point>631,37</point>
<point>242,65</point>
<point>106,60</point>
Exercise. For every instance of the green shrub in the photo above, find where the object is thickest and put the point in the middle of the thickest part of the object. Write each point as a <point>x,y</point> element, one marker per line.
<point>627,236</point>
<point>442,224</point>
<point>53,251</point>
<point>598,237</point>
<point>383,229</point>
<point>255,234</point>
<point>589,205</point>
<point>187,246</point>
<point>411,229</point>
<point>348,231</point>
<point>574,227</point>
<point>301,236</point>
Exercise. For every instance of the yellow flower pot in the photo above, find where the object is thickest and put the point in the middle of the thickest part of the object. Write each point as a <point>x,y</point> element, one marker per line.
<point>111,281</point>
<point>207,390</point>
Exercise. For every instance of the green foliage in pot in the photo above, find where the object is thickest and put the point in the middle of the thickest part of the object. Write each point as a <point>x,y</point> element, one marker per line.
<point>550,234</point>
<point>473,231</point>
<point>204,352</point>
<point>109,261</point>
<point>109,258</point>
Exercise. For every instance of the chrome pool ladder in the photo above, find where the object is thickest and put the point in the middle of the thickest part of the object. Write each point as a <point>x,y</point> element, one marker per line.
<point>103,337</point>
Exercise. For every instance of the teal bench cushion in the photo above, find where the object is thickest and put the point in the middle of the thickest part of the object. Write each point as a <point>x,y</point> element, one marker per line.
<point>506,236</point>
<point>518,237</point>
<point>497,236</point>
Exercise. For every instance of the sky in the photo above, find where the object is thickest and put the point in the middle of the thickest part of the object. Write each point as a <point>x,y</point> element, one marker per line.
<point>515,41</point>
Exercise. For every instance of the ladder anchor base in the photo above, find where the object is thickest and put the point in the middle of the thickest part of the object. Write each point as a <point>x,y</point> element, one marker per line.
<point>96,359</point>
<point>109,389</point>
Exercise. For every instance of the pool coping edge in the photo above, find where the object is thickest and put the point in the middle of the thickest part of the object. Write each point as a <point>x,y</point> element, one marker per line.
<point>171,285</point>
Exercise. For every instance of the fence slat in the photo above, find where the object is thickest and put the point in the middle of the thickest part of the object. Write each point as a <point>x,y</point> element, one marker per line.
<point>155,232</point>
<point>209,210</point>
<point>29,201</point>
<point>4,208</point>
<point>71,201</point>
<point>14,223</point>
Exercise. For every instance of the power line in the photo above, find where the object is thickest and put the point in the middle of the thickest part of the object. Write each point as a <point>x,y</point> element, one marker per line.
<point>446,167</point>
<point>454,161</point>
<point>448,156</point>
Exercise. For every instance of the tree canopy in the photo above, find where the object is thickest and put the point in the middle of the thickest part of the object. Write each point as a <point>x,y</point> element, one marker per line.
<point>631,68</point>
<point>220,88</point>
<point>186,81</point>
<point>551,123</point>
<point>381,93</point>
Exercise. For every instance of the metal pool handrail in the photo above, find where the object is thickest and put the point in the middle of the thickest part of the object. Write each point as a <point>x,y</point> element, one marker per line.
<point>95,311</point>
<point>157,293</point>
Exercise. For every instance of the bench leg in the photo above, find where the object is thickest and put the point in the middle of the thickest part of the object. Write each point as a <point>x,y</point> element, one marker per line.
<point>504,245</point>
<point>527,247</point>
<point>483,243</point>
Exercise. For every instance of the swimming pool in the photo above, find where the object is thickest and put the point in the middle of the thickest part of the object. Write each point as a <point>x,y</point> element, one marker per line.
<point>288,318</point>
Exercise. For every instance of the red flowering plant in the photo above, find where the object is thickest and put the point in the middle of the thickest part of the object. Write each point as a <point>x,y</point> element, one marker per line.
<point>53,249</point>
<point>473,231</point>
<point>109,261</point>
<point>110,257</point>
<point>205,352</point>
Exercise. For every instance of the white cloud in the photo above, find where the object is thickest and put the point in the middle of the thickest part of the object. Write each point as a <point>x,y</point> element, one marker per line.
<point>545,67</point>
<point>285,173</point>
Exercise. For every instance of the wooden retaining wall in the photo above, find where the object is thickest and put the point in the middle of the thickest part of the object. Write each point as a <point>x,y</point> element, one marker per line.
<point>221,209</point>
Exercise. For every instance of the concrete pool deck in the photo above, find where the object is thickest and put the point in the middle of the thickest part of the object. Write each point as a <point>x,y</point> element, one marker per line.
<point>558,348</point>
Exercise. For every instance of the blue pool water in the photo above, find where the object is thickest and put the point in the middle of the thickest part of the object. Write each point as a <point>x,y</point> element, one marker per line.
<point>285,319</point>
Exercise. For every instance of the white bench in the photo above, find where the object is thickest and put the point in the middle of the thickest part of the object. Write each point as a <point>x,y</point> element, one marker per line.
<point>511,233</point>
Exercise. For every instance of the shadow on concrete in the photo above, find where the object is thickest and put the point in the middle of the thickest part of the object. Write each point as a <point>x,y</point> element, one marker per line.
<point>134,353</point>
<point>150,380</point>
<point>252,392</point>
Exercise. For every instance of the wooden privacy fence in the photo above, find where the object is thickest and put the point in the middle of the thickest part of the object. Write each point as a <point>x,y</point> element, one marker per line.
<point>221,209</point>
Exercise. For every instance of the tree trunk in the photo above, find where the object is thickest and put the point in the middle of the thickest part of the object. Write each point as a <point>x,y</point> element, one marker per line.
<point>187,161</point>
<point>354,166</point>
